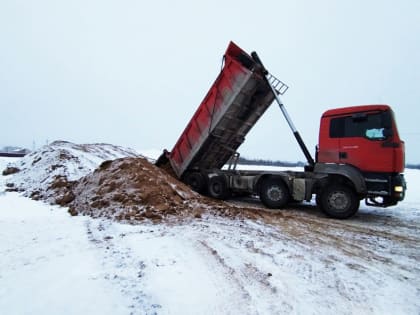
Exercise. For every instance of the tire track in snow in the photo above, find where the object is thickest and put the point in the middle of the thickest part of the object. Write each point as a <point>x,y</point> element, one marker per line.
<point>120,267</point>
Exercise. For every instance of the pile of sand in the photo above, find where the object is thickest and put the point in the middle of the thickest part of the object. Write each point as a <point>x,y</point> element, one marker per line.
<point>101,180</point>
<point>132,189</point>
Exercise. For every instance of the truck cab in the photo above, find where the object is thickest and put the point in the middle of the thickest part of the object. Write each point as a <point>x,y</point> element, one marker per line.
<point>366,138</point>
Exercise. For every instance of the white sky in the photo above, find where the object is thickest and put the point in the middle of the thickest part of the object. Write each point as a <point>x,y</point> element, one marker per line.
<point>132,73</point>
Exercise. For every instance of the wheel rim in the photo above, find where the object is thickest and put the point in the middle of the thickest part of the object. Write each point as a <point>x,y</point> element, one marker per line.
<point>195,181</point>
<point>217,188</point>
<point>339,201</point>
<point>275,193</point>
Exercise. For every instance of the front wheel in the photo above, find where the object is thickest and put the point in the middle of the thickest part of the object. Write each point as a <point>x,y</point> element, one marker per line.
<point>338,201</point>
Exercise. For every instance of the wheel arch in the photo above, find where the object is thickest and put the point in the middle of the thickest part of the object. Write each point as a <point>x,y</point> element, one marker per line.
<point>342,173</point>
<point>261,178</point>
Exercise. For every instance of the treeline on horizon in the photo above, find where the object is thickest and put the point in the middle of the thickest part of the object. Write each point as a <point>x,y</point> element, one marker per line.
<point>242,160</point>
<point>248,161</point>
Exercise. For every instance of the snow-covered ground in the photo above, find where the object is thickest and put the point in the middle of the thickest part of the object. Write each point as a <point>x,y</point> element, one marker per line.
<point>290,262</point>
<point>61,161</point>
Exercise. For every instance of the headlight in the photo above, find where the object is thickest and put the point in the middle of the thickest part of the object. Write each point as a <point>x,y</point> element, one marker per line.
<point>399,189</point>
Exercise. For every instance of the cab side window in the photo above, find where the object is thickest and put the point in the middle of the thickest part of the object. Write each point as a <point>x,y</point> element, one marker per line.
<point>369,126</point>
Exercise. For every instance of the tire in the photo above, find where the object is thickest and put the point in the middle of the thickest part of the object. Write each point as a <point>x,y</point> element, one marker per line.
<point>338,201</point>
<point>318,201</point>
<point>196,181</point>
<point>218,188</point>
<point>274,193</point>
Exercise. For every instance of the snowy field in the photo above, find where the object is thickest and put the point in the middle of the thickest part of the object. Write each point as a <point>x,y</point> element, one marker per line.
<point>294,261</point>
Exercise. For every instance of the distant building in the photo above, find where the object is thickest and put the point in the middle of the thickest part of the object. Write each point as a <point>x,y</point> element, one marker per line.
<point>13,151</point>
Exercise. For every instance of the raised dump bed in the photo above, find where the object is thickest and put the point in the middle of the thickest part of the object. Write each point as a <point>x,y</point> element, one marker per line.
<point>234,103</point>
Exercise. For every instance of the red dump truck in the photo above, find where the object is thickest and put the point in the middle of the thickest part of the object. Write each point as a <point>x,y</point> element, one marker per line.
<point>359,154</point>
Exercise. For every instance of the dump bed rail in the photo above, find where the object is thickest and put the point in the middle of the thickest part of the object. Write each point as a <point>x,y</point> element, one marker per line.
<point>234,103</point>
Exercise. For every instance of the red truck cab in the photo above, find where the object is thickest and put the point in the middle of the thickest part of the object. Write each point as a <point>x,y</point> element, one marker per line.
<point>365,137</point>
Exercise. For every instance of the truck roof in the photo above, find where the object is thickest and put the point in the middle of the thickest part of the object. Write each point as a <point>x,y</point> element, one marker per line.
<point>355,109</point>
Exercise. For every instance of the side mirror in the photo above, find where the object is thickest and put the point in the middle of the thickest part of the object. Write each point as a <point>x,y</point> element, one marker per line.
<point>386,120</point>
<point>388,132</point>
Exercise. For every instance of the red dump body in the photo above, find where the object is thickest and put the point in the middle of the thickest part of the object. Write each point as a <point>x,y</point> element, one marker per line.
<point>236,100</point>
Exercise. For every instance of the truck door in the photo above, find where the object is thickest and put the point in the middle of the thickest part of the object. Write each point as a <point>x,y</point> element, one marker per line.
<point>362,140</point>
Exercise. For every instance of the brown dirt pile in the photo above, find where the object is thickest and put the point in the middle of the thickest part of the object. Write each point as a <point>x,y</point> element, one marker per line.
<point>132,189</point>
<point>128,188</point>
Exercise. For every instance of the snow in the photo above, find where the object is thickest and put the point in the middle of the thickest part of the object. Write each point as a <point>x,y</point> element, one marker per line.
<point>60,162</point>
<point>269,168</point>
<point>290,262</point>
<point>48,265</point>
<point>62,158</point>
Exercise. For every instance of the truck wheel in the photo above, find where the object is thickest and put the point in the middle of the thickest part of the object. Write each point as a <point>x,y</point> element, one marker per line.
<point>274,194</point>
<point>318,201</point>
<point>218,187</point>
<point>338,201</point>
<point>196,181</point>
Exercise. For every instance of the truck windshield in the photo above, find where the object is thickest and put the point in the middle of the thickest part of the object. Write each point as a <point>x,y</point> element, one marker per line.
<point>374,126</point>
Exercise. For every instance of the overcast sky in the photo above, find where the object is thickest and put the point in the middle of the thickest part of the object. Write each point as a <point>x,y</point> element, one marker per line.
<point>132,72</point>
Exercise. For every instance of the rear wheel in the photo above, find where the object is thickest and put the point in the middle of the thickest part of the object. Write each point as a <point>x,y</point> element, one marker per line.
<point>338,201</point>
<point>318,200</point>
<point>274,193</point>
<point>218,187</point>
<point>196,181</point>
